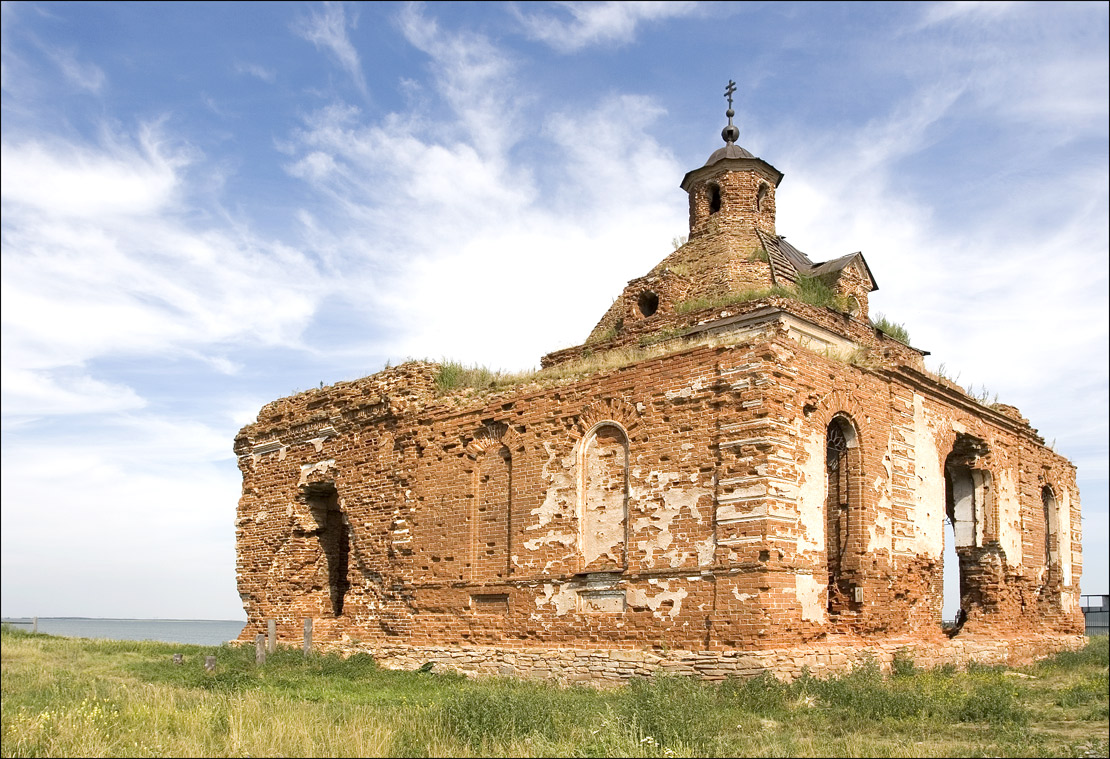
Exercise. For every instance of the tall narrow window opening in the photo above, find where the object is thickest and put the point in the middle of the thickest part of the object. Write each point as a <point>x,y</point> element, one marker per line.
<point>842,468</point>
<point>967,505</point>
<point>1048,507</point>
<point>959,532</point>
<point>714,198</point>
<point>335,542</point>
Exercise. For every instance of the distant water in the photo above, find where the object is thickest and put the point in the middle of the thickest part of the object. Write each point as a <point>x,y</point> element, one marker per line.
<point>203,632</point>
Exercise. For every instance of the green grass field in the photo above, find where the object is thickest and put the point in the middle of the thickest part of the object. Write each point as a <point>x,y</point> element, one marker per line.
<point>78,697</point>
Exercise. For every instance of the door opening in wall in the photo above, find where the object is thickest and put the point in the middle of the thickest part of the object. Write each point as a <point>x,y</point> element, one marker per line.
<point>959,538</point>
<point>335,541</point>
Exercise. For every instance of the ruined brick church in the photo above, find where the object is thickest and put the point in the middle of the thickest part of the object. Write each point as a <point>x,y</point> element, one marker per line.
<point>736,472</point>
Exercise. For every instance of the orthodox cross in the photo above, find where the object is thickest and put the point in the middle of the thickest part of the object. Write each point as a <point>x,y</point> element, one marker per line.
<point>730,133</point>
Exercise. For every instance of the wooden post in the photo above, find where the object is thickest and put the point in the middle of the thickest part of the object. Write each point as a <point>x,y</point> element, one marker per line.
<point>260,649</point>
<point>34,624</point>
<point>178,658</point>
<point>210,663</point>
<point>271,633</point>
<point>307,635</point>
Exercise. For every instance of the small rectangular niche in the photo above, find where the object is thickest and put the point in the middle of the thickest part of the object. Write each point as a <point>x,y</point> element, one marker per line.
<point>490,603</point>
<point>601,601</point>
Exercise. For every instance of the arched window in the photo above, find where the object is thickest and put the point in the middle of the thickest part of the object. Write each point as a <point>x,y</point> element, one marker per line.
<point>492,514</point>
<point>760,195</point>
<point>968,506</point>
<point>603,498</point>
<point>1048,506</point>
<point>714,197</point>
<point>843,472</point>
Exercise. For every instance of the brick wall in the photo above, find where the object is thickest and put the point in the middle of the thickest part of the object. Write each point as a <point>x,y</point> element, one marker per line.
<point>475,522</point>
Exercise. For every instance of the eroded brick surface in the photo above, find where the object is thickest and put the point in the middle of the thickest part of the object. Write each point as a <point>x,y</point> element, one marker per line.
<point>768,491</point>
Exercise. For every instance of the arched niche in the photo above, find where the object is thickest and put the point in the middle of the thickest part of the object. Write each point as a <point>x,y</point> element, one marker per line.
<point>491,522</point>
<point>603,498</point>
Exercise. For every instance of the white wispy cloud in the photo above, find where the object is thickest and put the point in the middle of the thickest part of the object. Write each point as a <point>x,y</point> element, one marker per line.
<point>974,11</point>
<point>327,30</point>
<point>87,76</point>
<point>979,294</point>
<point>256,70</point>
<point>57,393</point>
<point>439,216</point>
<point>584,24</point>
<point>67,180</point>
<point>99,261</point>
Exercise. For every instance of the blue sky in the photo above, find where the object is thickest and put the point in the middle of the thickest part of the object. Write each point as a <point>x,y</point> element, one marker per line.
<point>206,207</point>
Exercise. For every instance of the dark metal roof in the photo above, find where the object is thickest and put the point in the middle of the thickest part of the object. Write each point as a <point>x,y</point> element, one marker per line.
<point>787,262</point>
<point>731,150</point>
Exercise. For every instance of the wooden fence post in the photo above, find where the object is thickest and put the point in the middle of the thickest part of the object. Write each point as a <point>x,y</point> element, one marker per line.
<point>260,649</point>
<point>271,634</point>
<point>307,635</point>
<point>34,624</point>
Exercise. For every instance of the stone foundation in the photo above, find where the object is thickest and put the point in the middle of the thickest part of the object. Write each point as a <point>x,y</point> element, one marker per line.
<point>598,666</point>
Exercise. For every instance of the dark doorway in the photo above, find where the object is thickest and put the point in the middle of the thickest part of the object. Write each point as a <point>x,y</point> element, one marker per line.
<point>335,540</point>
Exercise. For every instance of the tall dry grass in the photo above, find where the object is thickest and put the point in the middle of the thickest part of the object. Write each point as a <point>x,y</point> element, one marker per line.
<point>73,697</point>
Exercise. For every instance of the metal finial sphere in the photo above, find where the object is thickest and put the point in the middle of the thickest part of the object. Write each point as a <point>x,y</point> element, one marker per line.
<point>730,133</point>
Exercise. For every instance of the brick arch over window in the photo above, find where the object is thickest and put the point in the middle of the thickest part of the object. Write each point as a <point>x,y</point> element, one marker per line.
<point>493,435</point>
<point>611,410</point>
<point>844,530</point>
<point>603,497</point>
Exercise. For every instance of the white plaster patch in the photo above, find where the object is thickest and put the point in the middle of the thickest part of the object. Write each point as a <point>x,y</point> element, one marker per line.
<point>561,482</point>
<point>320,467</point>
<point>706,549</point>
<point>1063,539</point>
<point>640,597</point>
<point>808,592</point>
<point>1009,518</point>
<point>811,494</point>
<point>653,531</point>
<point>928,516</point>
<point>563,599</point>
<point>561,538</point>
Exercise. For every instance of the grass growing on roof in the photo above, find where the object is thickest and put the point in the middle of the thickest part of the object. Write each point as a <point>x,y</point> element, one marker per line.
<point>730,299</point>
<point>891,329</point>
